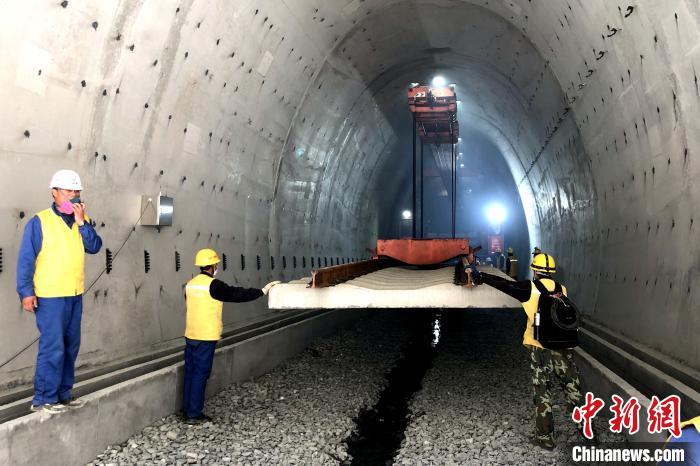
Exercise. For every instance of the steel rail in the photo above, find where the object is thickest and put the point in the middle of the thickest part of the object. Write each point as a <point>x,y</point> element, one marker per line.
<point>331,276</point>
<point>16,403</point>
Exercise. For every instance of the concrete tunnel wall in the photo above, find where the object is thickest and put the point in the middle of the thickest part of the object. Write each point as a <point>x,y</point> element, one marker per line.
<point>275,124</point>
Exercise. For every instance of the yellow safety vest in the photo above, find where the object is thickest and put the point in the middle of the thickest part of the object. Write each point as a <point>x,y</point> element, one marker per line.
<point>203,320</point>
<point>60,266</point>
<point>530,307</point>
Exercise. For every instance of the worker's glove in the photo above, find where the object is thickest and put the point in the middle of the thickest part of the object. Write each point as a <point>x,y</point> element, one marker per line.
<point>266,288</point>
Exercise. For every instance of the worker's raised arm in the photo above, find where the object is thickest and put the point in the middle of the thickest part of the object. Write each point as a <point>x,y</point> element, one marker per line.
<point>232,294</point>
<point>519,290</point>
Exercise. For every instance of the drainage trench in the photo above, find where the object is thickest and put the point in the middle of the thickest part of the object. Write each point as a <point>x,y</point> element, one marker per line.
<point>381,429</point>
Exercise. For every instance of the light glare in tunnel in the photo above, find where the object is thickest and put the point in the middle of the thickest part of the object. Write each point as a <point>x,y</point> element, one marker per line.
<point>495,213</point>
<point>439,81</point>
<point>406,214</point>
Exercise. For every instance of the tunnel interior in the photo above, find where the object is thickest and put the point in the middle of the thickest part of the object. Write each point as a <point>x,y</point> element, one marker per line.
<point>281,130</point>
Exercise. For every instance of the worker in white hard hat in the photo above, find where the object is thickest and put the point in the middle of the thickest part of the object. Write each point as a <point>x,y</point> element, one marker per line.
<point>50,284</point>
<point>205,296</point>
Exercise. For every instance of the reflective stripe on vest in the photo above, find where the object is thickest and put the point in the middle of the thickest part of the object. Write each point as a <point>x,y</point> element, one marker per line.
<point>60,265</point>
<point>203,320</point>
<point>530,308</point>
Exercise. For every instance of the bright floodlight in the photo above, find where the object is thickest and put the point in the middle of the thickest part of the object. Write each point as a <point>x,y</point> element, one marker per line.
<point>406,214</point>
<point>496,213</point>
<point>439,81</point>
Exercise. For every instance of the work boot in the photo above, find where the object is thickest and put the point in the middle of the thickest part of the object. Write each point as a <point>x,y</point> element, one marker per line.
<point>73,403</point>
<point>198,420</point>
<point>543,441</point>
<point>51,408</point>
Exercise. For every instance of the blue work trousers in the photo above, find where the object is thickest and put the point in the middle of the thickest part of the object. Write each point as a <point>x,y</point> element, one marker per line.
<point>199,358</point>
<point>58,321</point>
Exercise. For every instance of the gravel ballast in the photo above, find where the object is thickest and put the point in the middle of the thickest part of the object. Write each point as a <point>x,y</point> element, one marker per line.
<point>476,407</point>
<point>299,413</point>
<point>473,406</point>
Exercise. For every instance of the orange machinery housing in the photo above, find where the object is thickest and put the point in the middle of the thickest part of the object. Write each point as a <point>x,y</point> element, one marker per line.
<point>435,110</point>
<point>435,117</point>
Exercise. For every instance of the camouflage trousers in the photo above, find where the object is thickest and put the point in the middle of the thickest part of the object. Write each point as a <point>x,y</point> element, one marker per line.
<point>545,363</point>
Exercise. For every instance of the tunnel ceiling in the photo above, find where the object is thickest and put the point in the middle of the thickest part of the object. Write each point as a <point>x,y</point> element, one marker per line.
<point>505,86</point>
<point>589,103</point>
<point>508,91</point>
<point>278,127</point>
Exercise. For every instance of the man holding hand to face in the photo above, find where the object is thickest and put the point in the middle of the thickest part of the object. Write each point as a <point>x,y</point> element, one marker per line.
<point>50,283</point>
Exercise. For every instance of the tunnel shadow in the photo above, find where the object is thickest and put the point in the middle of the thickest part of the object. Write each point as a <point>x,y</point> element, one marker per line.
<point>380,429</point>
<point>490,334</point>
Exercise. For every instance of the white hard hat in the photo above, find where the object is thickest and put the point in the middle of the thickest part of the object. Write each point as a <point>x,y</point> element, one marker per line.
<point>66,179</point>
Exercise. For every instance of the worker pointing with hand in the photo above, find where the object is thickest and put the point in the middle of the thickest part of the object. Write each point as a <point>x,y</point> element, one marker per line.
<point>205,302</point>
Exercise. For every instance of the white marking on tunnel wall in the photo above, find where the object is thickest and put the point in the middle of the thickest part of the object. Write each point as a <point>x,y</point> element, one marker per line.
<point>352,7</point>
<point>654,135</point>
<point>692,51</point>
<point>32,66</point>
<point>684,35</point>
<point>191,143</point>
<point>265,63</point>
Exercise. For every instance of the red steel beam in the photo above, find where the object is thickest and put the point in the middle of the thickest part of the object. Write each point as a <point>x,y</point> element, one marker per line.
<point>422,251</point>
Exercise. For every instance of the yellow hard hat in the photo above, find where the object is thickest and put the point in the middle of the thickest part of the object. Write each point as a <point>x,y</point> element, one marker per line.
<point>206,257</point>
<point>510,250</point>
<point>543,263</point>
